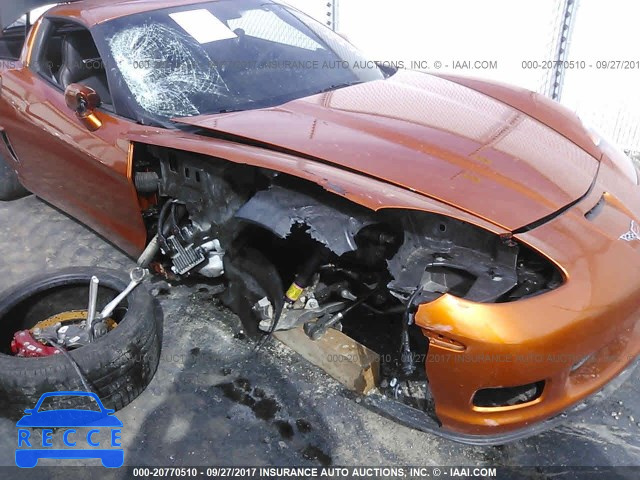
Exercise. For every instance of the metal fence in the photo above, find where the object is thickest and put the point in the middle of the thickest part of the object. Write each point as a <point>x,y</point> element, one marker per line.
<point>325,11</point>
<point>606,94</point>
<point>527,43</point>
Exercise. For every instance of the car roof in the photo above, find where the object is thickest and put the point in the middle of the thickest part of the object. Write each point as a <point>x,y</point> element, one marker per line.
<point>93,12</point>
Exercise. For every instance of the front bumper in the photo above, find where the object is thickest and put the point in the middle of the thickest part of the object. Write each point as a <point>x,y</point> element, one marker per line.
<point>414,418</point>
<point>576,339</point>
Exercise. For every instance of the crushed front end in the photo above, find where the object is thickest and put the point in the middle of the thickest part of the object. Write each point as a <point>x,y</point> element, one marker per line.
<point>501,371</point>
<point>484,335</point>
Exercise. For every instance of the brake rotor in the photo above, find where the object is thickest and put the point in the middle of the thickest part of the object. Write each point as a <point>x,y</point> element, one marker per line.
<point>71,316</point>
<point>24,344</point>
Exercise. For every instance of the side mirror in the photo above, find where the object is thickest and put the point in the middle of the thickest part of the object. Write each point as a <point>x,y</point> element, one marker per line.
<point>84,100</point>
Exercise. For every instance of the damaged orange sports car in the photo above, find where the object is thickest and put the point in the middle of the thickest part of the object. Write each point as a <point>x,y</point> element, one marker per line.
<point>476,235</point>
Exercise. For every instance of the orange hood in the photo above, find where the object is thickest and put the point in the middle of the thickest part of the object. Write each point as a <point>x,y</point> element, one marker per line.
<point>432,136</point>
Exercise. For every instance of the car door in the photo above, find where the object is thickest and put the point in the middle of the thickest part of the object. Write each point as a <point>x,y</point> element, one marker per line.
<point>86,174</point>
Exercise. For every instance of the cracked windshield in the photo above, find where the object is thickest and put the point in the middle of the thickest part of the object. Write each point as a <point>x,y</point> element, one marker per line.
<point>228,56</point>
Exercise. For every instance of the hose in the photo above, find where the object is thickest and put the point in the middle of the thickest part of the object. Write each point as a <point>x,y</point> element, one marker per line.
<point>146,182</point>
<point>406,356</point>
<point>74,364</point>
<point>150,252</point>
<point>161,218</point>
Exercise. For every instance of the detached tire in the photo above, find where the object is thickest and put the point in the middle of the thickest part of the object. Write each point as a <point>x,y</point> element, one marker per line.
<point>10,186</point>
<point>118,366</point>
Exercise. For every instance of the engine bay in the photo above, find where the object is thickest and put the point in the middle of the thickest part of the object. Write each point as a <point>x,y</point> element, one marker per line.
<point>294,255</point>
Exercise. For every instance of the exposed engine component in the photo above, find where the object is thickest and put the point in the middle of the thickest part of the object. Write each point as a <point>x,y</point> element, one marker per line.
<point>184,258</point>
<point>199,198</point>
<point>186,244</point>
<point>214,266</point>
<point>210,193</point>
<point>208,256</point>
<point>146,182</point>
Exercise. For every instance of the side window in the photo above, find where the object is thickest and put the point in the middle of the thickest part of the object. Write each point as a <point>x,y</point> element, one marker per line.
<point>13,37</point>
<point>12,41</point>
<point>67,54</point>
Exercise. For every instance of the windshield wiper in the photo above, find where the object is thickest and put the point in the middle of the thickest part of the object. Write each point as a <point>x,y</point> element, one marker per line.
<point>338,86</point>
<point>231,110</point>
<point>215,112</point>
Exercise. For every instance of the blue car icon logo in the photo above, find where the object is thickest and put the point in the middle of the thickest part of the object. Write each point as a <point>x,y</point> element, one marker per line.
<point>38,443</point>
